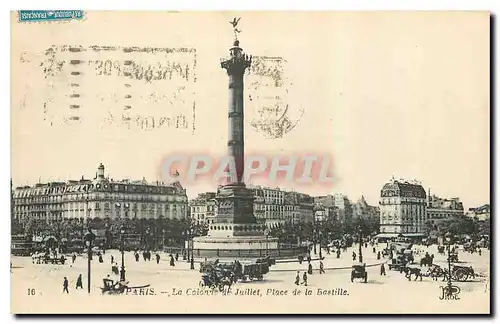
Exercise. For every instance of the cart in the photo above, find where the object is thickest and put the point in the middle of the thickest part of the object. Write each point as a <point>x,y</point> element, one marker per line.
<point>461,273</point>
<point>359,272</point>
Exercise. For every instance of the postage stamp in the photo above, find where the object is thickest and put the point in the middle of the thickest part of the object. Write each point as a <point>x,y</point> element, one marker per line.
<point>205,163</point>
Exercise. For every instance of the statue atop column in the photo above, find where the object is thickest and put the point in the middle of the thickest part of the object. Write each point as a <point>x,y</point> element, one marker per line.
<point>236,31</point>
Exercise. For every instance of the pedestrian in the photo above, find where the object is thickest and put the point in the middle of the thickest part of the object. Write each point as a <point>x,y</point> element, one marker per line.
<point>378,255</point>
<point>172,263</point>
<point>321,267</point>
<point>297,278</point>
<point>328,250</point>
<point>309,257</point>
<point>136,257</point>
<point>374,251</point>
<point>65,285</point>
<point>112,259</point>
<point>176,256</point>
<point>382,270</point>
<point>479,251</point>
<point>338,253</point>
<point>353,256</point>
<point>100,258</point>
<point>157,258</point>
<point>310,269</point>
<point>304,278</point>
<point>73,258</point>
<point>79,283</point>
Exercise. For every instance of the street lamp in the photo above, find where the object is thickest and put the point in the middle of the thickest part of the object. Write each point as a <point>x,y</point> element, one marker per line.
<point>184,236</point>
<point>89,239</point>
<point>122,270</point>
<point>448,240</point>
<point>190,238</point>
<point>266,231</point>
<point>314,238</point>
<point>319,241</point>
<point>360,245</point>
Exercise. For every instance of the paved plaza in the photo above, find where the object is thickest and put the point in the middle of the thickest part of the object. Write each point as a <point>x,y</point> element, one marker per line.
<point>331,292</point>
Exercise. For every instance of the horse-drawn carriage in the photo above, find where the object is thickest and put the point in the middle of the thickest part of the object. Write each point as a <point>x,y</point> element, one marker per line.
<point>458,273</point>
<point>220,274</point>
<point>216,275</point>
<point>46,258</point>
<point>359,272</point>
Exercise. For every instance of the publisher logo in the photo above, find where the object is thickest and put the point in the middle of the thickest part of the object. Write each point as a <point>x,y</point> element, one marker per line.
<point>449,293</point>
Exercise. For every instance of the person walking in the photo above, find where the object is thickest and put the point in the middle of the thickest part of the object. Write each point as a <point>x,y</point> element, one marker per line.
<point>297,278</point>
<point>382,270</point>
<point>310,269</point>
<point>79,283</point>
<point>112,259</point>
<point>321,267</point>
<point>157,258</point>
<point>353,256</point>
<point>304,279</point>
<point>65,285</point>
<point>176,256</point>
<point>172,263</point>
<point>73,258</point>
<point>378,255</point>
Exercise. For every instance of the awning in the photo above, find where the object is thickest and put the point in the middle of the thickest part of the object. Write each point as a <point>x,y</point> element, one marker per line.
<point>414,235</point>
<point>387,235</point>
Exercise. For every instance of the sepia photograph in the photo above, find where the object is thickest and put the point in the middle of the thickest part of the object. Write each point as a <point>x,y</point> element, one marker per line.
<point>250,162</point>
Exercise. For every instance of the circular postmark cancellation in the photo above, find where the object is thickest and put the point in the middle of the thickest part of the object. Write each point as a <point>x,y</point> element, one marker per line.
<point>268,91</point>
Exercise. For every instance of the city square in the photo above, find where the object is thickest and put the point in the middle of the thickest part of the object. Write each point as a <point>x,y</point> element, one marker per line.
<point>394,289</point>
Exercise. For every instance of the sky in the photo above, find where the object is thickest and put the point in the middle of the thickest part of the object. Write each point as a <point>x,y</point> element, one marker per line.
<point>382,94</point>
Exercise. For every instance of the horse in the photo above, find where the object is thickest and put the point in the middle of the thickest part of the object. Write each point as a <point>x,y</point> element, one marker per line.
<point>413,270</point>
<point>436,272</point>
<point>427,260</point>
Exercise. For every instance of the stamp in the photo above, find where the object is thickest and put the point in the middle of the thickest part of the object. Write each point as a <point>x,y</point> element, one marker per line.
<point>49,15</point>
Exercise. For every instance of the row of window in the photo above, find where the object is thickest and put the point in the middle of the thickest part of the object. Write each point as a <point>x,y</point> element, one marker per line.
<point>105,196</point>
<point>97,205</point>
<point>238,228</point>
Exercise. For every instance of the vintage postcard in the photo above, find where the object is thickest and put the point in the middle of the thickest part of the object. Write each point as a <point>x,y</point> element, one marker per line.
<point>250,162</point>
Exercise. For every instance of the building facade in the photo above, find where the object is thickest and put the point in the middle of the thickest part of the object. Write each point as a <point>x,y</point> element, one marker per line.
<point>203,208</point>
<point>324,213</point>
<point>341,202</point>
<point>481,213</point>
<point>440,209</point>
<point>362,210</point>
<point>403,207</point>
<point>99,198</point>
<point>272,206</point>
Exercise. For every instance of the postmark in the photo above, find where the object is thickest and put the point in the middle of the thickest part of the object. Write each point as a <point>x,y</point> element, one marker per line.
<point>134,88</point>
<point>272,113</point>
